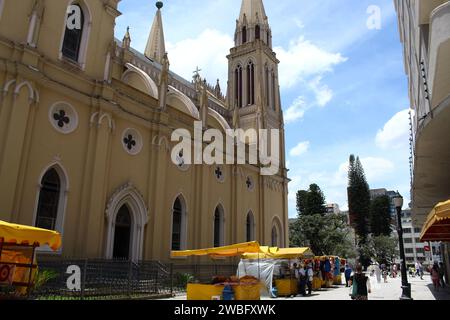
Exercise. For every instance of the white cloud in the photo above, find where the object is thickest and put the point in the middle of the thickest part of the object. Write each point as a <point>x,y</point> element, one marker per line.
<point>395,134</point>
<point>296,111</point>
<point>300,149</point>
<point>323,93</point>
<point>304,59</point>
<point>376,169</point>
<point>207,51</point>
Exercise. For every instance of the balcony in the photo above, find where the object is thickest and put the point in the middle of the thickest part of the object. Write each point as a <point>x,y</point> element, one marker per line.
<point>439,54</point>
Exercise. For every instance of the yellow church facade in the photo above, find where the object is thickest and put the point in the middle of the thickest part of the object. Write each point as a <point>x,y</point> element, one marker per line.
<point>85,135</point>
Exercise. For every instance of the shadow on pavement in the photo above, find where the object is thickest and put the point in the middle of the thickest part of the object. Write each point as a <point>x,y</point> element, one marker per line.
<point>441,293</point>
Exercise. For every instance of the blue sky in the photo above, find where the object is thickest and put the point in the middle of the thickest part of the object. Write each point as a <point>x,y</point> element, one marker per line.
<point>343,85</point>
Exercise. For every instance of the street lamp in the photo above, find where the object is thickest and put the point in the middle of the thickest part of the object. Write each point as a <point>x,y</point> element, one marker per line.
<point>406,287</point>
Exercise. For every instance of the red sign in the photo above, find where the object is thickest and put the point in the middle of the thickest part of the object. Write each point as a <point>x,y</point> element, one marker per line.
<point>427,249</point>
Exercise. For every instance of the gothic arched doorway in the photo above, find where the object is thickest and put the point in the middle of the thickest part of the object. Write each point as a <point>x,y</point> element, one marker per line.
<point>122,234</point>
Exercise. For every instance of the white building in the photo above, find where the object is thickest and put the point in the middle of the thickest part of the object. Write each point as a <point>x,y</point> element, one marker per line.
<point>333,208</point>
<point>424,27</point>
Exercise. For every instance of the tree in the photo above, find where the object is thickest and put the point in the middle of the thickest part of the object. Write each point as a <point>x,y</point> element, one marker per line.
<point>311,202</point>
<point>324,234</point>
<point>301,201</point>
<point>358,198</point>
<point>382,249</point>
<point>380,216</point>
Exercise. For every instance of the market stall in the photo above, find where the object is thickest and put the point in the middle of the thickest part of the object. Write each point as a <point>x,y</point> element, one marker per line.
<point>274,265</point>
<point>18,264</point>
<point>241,288</point>
<point>336,263</point>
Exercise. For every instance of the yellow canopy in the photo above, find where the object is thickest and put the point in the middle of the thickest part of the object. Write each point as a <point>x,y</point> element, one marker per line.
<point>437,227</point>
<point>227,251</point>
<point>19,234</point>
<point>279,253</point>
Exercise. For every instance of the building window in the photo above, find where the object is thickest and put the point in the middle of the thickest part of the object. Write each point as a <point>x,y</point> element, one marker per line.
<point>178,225</point>
<point>63,117</point>
<point>407,240</point>
<point>409,250</point>
<point>49,201</point>
<point>267,89</point>
<point>244,35</point>
<point>275,237</point>
<point>132,141</point>
<point>73,35</point>
<point>417,230</point>
<point>257,32</point>
<point>250,227</point>
<point>274,90</point>
<point>122,234</point>
<point>407,230</point>
<point>238,86</point>
<point>250,83</point>
<point>218,227</point>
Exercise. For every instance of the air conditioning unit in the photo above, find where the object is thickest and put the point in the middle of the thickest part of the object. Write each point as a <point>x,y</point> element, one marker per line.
<point>7,273</point>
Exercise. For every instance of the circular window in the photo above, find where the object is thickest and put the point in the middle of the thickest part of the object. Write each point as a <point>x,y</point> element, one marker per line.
<point>219,173</point>
<point>132,141</point>
<point>250,183</point>
<point>63,117</point>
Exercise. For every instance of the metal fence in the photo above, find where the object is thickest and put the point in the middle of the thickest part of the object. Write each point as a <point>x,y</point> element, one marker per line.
<point>115,279</point>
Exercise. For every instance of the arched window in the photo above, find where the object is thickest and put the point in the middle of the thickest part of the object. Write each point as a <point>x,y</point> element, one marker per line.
<point>257,32</point>
<point>274,90</point>
<point>267,81</point>
<point>122,234</point>
<point>238,86</point>
<point>250,227</point>
<point>275,237</point>
<point>178,225</point>
<point>244,35</point>
<point>218,227</point>
<point>73,33</point>
<point>250,83</point>
<point>49,201</point>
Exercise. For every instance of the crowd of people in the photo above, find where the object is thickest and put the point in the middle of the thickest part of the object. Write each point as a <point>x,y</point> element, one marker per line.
<point>360,285</point>
<point>304,276</point>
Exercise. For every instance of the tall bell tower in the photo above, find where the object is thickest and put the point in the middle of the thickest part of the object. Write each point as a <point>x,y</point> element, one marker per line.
<point>253,70</point>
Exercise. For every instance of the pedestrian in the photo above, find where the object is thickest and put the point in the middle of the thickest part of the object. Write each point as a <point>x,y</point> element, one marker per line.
<point>435,276</point>
<point>394,270</point>
<point>295,272</point>
<point>360,285</point>
<point>385,274</point>
<point>441,274</point>
<point>302,275</point>
<point>347,273</point>
<point>378,273</point>
<point>310,278</point>
<point>420,271</point>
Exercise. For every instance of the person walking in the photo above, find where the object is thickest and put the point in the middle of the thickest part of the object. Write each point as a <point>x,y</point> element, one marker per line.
<point>296,273</point>
<point>394,270</point>
<point>347,273</point>
<point>310,277</point>
<point>360,285</point>
<point>378,273</point>
<point>302,274</point>
<point>385,274</point>
<point>420,271</point>
<point>441,275</point>
<point>435,276</point>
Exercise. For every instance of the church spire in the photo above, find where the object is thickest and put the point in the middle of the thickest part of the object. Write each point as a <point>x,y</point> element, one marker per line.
<point>253,12</point>
<point>156,47</point>
<point>253,24</point>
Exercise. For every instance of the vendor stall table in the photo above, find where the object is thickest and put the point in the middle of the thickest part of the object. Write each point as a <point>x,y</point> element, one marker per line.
<point>18,243</point>
<point>245,290</point>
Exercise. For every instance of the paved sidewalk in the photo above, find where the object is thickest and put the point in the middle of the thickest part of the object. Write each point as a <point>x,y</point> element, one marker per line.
<point>420,290</point>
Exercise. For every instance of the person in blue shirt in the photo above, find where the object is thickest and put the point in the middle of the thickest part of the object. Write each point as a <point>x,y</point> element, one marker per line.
<point>348,272</point>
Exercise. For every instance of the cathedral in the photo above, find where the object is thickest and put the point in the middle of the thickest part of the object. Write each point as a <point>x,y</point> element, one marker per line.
<point>85,135</point>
